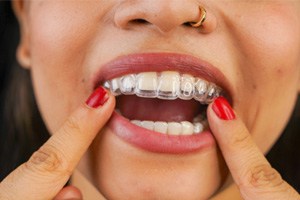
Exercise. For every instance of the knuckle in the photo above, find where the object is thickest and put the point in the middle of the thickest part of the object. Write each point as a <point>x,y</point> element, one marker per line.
<point>239,139</point>
<point>47,159</point>
<point>72,125</point>
<point>264,176</point>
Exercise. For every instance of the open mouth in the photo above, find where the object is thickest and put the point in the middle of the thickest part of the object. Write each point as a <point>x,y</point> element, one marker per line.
<point>162,100</point>
<point>166,102</point>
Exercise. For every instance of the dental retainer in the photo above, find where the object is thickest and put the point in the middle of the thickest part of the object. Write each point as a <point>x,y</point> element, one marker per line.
<point>167,85</point>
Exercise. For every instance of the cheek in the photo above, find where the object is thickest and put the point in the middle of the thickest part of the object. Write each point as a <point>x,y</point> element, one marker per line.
<point>272,43</point>
<point>58,42</point>
<point>275,62</point>
<point>269,71</point>
<point>272,49</point>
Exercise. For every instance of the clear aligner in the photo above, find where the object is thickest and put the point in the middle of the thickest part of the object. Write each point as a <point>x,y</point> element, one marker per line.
<point>167,85</point>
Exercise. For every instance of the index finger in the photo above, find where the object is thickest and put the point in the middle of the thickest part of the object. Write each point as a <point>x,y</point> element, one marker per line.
<point>49,168</point>
<point>250,169</point>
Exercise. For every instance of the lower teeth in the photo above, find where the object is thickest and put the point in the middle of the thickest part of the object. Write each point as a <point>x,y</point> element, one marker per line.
<point>172,128</point>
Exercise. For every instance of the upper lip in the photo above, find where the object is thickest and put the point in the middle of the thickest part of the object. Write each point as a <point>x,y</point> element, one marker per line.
<point>145,62</point>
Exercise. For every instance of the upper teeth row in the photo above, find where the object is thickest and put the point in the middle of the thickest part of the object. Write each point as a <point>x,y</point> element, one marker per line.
<point>164,85</point>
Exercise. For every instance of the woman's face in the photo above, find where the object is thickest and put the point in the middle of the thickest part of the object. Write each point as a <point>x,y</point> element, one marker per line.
<point>253,45</point>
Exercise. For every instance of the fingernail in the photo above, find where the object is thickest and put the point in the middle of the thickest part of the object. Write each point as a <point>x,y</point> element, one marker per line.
<point>97,98</point>
<point>223,109</point>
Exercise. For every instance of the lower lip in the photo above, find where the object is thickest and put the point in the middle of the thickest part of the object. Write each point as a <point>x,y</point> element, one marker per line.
<point>157,142</point>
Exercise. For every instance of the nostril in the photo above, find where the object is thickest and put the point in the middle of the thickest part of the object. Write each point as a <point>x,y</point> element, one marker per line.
<point>139,21</point>
<point>187,24</point>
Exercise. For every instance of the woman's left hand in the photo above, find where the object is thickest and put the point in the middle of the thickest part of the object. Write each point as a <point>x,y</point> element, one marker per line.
<point>252,173</point>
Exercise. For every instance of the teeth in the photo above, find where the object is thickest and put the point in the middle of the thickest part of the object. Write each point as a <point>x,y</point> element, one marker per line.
<point>187,87</point>
<point>148,125</point>
<point>165,85</point>
<point>127,84</point>
<point>187,128</point>
<point>200,90</point>
<point>169,84</point>
<point>198,127</point>
<point>147,84</point>
<point>136,122</point>
<point>213,92</point>
<point>161,127</point>
<point>172,128</point>
<point>114,87</point>
<point>106,85</point>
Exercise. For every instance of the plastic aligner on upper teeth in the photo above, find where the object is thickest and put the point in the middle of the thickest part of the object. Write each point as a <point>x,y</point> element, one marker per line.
<point>167,85</point>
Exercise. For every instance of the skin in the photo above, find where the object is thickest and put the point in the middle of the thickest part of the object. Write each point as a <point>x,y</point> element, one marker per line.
<point>257,44</point>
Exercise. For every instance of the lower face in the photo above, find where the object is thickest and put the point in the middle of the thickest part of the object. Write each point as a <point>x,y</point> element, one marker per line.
<point>70,41</point>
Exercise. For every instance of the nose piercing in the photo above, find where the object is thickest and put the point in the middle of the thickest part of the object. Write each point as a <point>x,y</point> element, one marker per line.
<point>201,19</point>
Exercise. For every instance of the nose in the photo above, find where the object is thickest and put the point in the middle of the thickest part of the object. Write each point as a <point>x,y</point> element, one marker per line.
<point>165,15</point>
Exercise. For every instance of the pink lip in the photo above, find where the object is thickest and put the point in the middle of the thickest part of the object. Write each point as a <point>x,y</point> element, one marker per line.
<point>150,140</point>
<point>157,142</point>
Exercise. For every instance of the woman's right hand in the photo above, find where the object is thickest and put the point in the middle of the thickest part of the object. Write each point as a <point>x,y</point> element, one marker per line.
<point>49,168</point>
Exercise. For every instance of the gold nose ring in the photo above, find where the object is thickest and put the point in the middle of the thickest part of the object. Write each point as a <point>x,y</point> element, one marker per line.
<point>201,19</point>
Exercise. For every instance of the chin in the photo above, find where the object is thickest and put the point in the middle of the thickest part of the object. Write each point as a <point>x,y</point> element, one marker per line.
<point>124,171</point>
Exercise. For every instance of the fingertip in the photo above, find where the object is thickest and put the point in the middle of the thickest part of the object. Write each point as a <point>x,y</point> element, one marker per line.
<point>220,111</point>
<point>221,117</point>
<point>212,118</point>
<point>223,109</point>
<point>69,192</point>
<point>100,103</point>
<point>97,98</point>
<point>225,124</point>
<point>209,112</point>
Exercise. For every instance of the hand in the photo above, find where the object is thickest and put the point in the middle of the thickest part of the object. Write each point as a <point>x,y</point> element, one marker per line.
<point>49,168</point>
<point>252,173</point>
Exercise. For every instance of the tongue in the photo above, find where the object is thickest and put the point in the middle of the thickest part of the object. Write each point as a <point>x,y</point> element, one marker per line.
<point>136,108</point>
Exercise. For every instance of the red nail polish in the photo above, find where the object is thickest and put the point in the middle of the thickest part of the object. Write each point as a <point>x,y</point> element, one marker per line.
<point>97,98</point>
<point>223,109</point>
